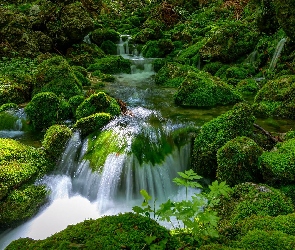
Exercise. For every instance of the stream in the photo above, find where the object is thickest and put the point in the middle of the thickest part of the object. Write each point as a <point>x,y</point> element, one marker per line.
<point>78,193</point>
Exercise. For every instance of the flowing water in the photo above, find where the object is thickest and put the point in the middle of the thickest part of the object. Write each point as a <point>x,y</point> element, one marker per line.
<point>79,193</point>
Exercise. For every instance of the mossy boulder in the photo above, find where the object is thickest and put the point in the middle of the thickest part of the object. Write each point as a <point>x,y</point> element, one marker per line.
<point>109,47</point>
<point>230,42</point>
<point>278,165</point>
<point>249,199</point>
<point>96,103</point>
<point>214,134</point>
<point>44,110</point>
<point>285,11</point>
<point>276,98</point>
<point>55,140</point>
<point>248,86</point>
<point>173,74</point>
<point>156,49</point>
<point>203,90</point>
<point>11,91</point>
<point>8,106</point>
<point>238,161</point>
<point>131,231</point>
<point>74,102</point>
<point>101,35</point>
<point>111,65</point>
<point>92,123</point>
<point>147,34</point>
<point>57,76</point>
<point>21,204</point>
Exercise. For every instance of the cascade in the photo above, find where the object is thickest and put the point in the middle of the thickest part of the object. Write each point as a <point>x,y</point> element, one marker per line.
<point>277,54</point>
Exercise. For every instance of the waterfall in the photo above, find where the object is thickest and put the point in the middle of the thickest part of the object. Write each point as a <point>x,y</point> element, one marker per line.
<point>277,54</point>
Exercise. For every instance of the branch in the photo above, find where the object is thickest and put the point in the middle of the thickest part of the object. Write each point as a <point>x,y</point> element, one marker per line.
<point>268,134</point>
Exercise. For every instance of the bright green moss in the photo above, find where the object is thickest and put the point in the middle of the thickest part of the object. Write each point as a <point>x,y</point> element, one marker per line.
<point>101,144</point>
<point>109,232</point>
<point>238,161</point>
<point>21,204</point>
<point>172,74</point>
<point>92,123</point>
<point>96,103</point>
<point>75,101</point>
<point>289,135</point>
<point>203,90</point>
<point>55,140</point>
<point>212,67</point>
<point>278,165</point>
<point>191,54</point>
<point>7,121</point>
<point>248,86</point>
<point>276,98</point>
<point>8,106</point>
<point>111,65</point>
<point>214,134</point>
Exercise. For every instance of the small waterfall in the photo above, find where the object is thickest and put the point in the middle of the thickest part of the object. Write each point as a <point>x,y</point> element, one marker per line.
<point>277,54</point>
<point>123,46</point>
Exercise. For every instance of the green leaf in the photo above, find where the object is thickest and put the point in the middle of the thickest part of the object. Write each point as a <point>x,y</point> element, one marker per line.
<point>149,239</point>
<point>145,195</point>
<point>138,210</point>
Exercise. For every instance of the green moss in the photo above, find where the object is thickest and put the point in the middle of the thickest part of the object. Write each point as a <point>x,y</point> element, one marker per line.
<point>21,204</point>
<point>92,123</point>
<point>84,80</point>
<point>111,65</point>
<point>56,75</point>
<point>98,36</point>
<point>214,134</point>
<point>55,140</point>
<point>276,98</point>
<point>173,74</point>
<point>147,34</point>
<point>212,67</point>
<point>156,49</point>
<point>104,77</point>
<point>202,90</point>
<point>75,101</point>
<point>101,144</point>
<point>278,165</point>
<point>109,47</point>
<point>8,106</point>
<point>110,232</point>
<point>7,121</point>
<point>289,135</point>
<point>238,161</point>
<point>248,86</point>
<point>99,102</point>
<point>262,240</point>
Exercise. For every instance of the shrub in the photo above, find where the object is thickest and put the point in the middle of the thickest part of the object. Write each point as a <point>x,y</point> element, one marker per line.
<point>130,232</point>
<point>214,134</point>
<point>278,165</point>
<point>238,161</point>
<point>111,65</point>
<point>96,103</point>
<point>203,90</point>
<point>55,140</point>
<point>92,123</point>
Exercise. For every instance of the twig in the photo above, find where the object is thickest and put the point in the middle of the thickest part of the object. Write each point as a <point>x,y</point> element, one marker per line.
<point>268,134</point>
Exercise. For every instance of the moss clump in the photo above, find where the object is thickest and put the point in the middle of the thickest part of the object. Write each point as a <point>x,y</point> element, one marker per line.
<point>44,110</point>
<point>8,106</point>
<point>111,65</point>
<point>248,86</point>
<point>56,75</point>
<point>130,232</point>
<point>96,103</point>
<point>156,49</point>
<point>278,165</point>
<point>261,240</point>
<point>202,90</point>
<point>250,199</point>
<point>289,135</point>
<point>276,98</point>
<point>109,47</point>
<point>101,144</point>
<point>147,34</point>
<point>172,74</point>
<point>214,134</point>
<point>99,36</point>
<point>7,121</point>
<point>75,101</point>
<point>230,42</point>
<point>55,140</point>
<point>212,67</point>
<point>238,161</point>
<point>21,204</point>
<point>92,123</point>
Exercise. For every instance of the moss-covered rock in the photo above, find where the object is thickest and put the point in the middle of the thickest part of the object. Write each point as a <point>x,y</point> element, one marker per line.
<point>44,110</point>
<point>8,106</point>
<point>57,76</point>
<point>156,49</point>
<point>75,101</point>
<point>278,165</point>
<point>250,199</point>
<point>111,65</point>
<point>21,204</point>
<point>147,34</point>
<point>92,123</point>
<point>230,42</point>
<point>101,35</point>
<point>276,98</point>
<point>109,47</point>
<point>248,86</point>
<point>96,103</point>
<point>214,134</point>
<point>130,232</point>
<point>203,90</point>
<point>173,74</point>
<point>7,121</point>
<point>285,11</point>
<point>55,140</point>
<point>238,161</point>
